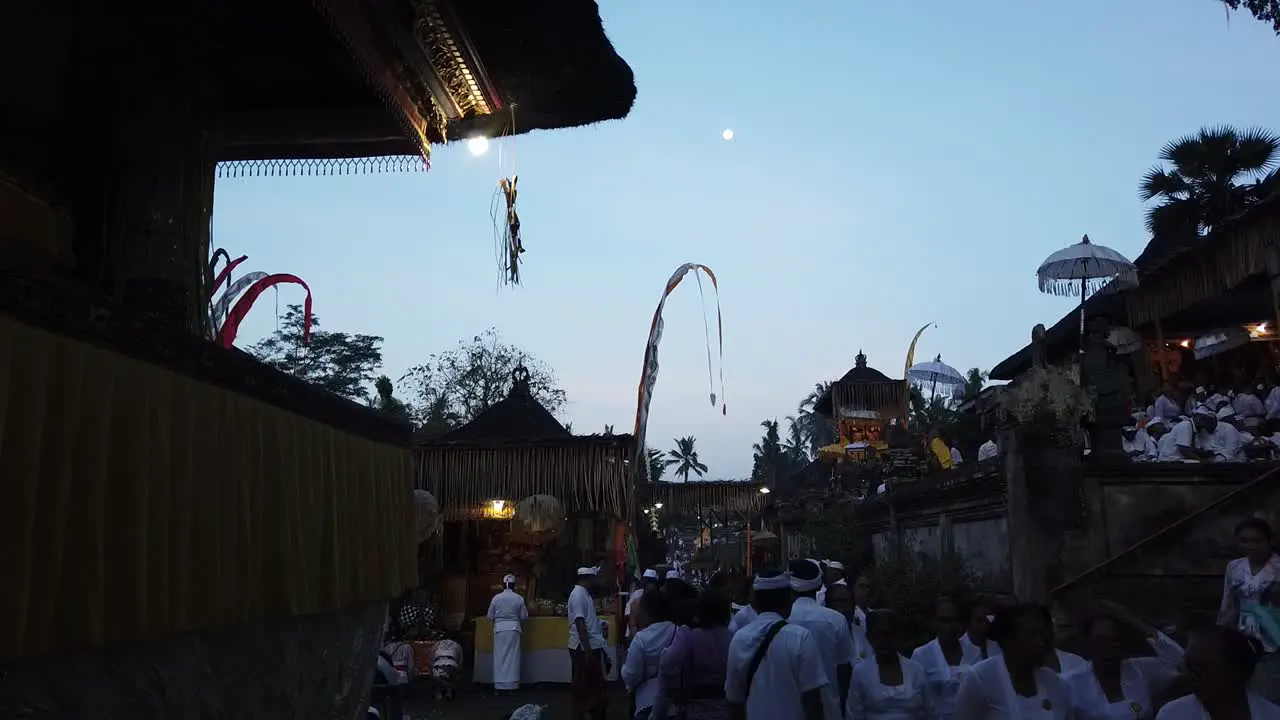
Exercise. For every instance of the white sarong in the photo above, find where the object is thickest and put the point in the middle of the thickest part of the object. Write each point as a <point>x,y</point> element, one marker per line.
<point>506,660</point>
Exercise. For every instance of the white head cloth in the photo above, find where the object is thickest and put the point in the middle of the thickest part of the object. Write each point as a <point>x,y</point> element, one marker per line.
<point>1201,391</point>
<point>1204,411</point>
<point>841,582</point>
<point>527,712</point>
<point>835,565</point>
<point>1156,421</point>
<point>673,574</point>
<point>805,585</point>
<point>1226,412</point>
<point>508,579</point>
<point>650,574</point>
<point>781,581</point>
<point>588,571</point>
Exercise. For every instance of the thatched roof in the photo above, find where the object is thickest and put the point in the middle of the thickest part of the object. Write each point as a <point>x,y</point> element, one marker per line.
<point>516,449</point>
<point>731,495</point>
<point>588,473</point>
<point>352,78</point>
<point>1191,287</point>
<point>517,417</point>
<point>862,385</point>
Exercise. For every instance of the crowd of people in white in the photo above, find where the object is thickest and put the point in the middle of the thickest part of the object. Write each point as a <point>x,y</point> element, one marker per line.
<point>808,647</point>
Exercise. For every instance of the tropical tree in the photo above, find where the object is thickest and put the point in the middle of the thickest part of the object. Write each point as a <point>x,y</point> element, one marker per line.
<point>974,381</point>
<point>931,414</point>
<point>339,362</point>
<point>817,430</point>
<point>769,459</point>
<point>657,464</point>
<point>608,430</point>
<point>797,445</point>
<point>385,399</point>
<point>685,458</point>
<point>1267,11</point>
<point>1207,178</point>
<point>456,385</point>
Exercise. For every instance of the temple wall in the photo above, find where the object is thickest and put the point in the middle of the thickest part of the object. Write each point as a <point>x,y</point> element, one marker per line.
<point>1129,503</point>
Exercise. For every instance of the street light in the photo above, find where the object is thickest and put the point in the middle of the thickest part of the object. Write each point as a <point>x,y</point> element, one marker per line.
<point>657,506</point>
<point>764,491</point>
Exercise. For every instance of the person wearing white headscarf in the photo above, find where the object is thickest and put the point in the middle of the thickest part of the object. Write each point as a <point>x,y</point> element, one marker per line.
<point>832,574</point>
<point>649,576</point>
<point>507,612</point>
<point>789,677</point>
<point>674,574</point>
<point>1219,437</point>
<point>588,690</point>
<point>1136,443</point>
<point>1166,450</point>
<point>1248,405</point>
<point>830,630</point>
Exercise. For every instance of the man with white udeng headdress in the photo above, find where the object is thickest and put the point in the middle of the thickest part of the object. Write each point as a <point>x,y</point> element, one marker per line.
<point>588,661</point>
<point>830,631</point>
<point>647,580</point>
<point>832,574</point>
<point>507,612</point>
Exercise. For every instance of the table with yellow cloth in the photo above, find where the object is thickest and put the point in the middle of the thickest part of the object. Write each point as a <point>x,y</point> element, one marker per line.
<point>544,656</point>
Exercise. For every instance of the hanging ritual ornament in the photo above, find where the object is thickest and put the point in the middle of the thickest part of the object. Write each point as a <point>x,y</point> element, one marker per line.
<point>649,370</point>
<point>507,229</point>
<point>537,520</point>
<point>226,312</point>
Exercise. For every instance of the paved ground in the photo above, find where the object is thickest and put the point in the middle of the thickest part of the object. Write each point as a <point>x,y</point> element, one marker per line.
<point>479,703</point>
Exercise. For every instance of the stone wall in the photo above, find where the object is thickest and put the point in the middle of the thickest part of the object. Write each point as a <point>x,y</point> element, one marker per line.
<point>313,668</point>
<point>1163,532</point>
<point>964,515</point>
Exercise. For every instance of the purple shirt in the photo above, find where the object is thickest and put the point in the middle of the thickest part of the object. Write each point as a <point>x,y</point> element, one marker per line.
<point>699,657</point>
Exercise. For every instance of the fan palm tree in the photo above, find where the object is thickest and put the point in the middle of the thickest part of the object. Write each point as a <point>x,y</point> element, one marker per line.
<point>685,458</point>
<point>817,430</point>
<point>1204,180</point>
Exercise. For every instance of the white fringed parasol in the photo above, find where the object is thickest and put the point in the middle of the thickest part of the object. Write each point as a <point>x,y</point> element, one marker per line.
<point>1082,269</point>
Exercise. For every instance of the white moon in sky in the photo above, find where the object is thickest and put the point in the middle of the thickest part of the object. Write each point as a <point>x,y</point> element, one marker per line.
<point>727,134</point>
<point>478,145</point>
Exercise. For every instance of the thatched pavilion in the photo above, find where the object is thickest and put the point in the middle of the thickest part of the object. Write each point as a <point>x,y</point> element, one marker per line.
<point>863,389</point>
<point>176,513</point>
<point>514,450</point>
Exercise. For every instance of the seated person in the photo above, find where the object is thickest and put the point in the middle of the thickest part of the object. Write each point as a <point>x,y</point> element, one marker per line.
<point>446,668</point>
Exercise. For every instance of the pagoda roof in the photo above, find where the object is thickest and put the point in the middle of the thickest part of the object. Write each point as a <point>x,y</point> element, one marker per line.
<point>518,418</point>
<point>859,374</point>
<point>334,79</point>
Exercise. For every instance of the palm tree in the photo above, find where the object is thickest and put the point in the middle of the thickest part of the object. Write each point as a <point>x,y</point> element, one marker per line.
<point>1203,181</point>
<point>385,399</point>
<point>768,456</point>
<point>608,430</point>
<point>797,445</point>
<point>933,413</point>
<point>685,458</point>
<point>974,381</point>
<point>657,465</point>
<point>817,430</point>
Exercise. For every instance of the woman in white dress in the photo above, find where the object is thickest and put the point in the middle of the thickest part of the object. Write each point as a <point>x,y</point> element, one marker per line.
<point>1221,661</point>
<point>1015,685</point>
<point>977,634</point>
<point>507,612</point>
<point>1251,601</point>
<point>887,686</point>
<point>945,660</point>
<point>1115,687</point>
<point>1064,662</point>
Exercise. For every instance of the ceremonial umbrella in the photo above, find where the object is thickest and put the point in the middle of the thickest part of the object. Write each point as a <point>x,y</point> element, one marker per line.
<point>1082,269</point>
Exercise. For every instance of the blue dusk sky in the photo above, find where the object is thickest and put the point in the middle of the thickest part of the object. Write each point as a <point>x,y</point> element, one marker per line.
<point>894,163</point>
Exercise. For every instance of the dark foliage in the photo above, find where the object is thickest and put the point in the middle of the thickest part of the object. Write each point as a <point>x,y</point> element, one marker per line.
<point>341,363</point>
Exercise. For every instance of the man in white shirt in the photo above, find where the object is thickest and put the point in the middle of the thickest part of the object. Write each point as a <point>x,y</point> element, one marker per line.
<point>1248,406</point>
<point>1183,434</point>
<point>586,649</point>
<point>1166,404</point>
<point>648,579</point>
<point>1136,444</point>
<point>774,669</point>
<point>832,574</point>
<point>831,631</point>
<point>507,613</point>
<point>1219,437</point>
<point>988,450</point>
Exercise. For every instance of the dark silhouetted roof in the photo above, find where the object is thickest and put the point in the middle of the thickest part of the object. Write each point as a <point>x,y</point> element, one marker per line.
<point>519,417</point>
<point>861,373</point>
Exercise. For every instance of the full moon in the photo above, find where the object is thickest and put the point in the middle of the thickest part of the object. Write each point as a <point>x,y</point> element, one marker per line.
<point>478,145</point>
<point>727,134</point>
